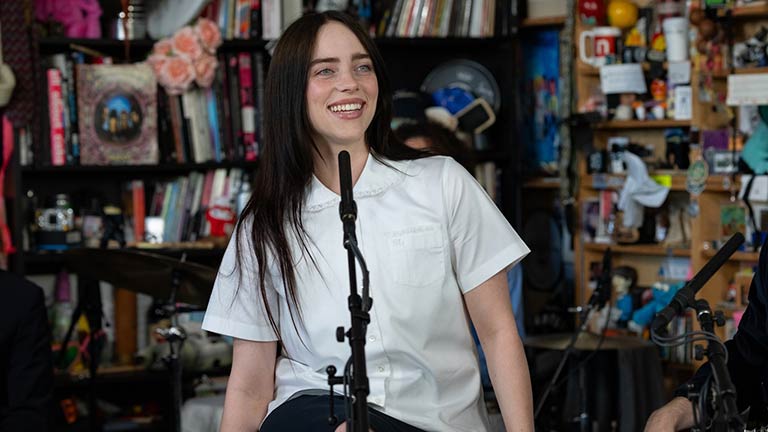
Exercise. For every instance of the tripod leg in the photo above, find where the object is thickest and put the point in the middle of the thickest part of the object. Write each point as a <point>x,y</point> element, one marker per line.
<point>72,323</point>
<point>91,298</point>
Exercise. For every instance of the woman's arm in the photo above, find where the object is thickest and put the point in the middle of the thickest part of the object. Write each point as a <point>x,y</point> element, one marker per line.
<point>251,386</point>
<point>490,308</point>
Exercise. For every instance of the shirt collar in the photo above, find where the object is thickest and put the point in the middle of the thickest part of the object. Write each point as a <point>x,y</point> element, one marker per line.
<point>374,180</point>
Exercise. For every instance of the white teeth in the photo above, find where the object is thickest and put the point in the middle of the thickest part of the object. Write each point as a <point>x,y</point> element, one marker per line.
<point>346,107</point>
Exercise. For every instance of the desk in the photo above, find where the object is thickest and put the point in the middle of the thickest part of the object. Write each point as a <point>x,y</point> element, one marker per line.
<point>623,380</point>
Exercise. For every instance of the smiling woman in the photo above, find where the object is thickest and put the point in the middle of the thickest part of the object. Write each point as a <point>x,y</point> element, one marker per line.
<point>283,275</point>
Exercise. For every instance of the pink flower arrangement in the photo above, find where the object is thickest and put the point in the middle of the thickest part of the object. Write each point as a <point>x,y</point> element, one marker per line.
<point>186,57</point>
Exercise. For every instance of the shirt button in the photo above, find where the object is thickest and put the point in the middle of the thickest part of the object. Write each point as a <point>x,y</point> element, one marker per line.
<point>381,368</point>
<point>372,338</point>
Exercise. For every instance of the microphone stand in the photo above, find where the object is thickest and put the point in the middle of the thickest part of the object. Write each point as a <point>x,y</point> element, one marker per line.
<point>357,378</point>
<point>726,416</point>
<point>596,301</point>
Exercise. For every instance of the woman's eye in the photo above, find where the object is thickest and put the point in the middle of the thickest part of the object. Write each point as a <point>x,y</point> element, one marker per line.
<point>365,68</point>
<point>324,71</point>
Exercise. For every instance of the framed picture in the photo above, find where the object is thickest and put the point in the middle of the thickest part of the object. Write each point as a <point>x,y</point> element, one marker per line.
<point>117,106</point>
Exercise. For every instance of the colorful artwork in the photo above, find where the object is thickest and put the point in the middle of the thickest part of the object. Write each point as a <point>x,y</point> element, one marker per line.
<point>118,111</point>
<point>732,220</point>
<point>541,100</point>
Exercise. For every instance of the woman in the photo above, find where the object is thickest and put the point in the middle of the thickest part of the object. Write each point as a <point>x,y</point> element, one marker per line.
<point>433,241</point>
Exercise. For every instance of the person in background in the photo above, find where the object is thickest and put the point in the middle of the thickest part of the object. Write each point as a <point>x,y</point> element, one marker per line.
<point>747,364</point>
<point>436,246</point>
<point>26,383</point>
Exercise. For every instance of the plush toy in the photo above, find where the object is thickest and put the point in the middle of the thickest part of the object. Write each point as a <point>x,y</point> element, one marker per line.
<point>662,295</point>
<point>623,281</point>
<point>80,18</point>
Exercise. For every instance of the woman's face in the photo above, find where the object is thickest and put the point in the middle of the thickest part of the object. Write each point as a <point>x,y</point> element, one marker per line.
<point>342,88</point>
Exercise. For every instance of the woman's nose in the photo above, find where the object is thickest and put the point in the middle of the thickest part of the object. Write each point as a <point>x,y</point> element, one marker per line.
<point>347,82</point>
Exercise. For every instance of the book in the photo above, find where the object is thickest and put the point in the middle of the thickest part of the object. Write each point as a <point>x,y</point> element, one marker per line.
<point>117,107</point>
<point>56,118</point>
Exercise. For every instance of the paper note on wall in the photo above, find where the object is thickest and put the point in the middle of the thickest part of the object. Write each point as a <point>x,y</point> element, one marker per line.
<point>679,72</point>
<point>747,89</point>
<point>622,78</point>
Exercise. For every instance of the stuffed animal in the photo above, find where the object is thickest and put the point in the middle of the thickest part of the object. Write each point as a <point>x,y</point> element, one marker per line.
<point>662,295</point>
<point>80,18</point>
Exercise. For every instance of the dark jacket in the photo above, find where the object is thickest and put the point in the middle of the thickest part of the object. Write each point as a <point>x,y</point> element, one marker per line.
<point>26,368</point>
<point>748,350</point>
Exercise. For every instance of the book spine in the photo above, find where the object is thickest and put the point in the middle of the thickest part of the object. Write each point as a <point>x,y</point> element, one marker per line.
<point>56,118</point>
<point>139,212</point>
<point>258,74</point>
<point>234,106</point>
<point>247,109</point>
<point>257,29</point>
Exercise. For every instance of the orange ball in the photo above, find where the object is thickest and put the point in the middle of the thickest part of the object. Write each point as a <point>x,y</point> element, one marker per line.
<point>622,13</point>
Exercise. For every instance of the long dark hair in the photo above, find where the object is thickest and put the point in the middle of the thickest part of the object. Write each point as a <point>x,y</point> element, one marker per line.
<point>286,161</point>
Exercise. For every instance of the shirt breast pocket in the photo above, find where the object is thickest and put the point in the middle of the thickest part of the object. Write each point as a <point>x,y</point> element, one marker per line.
<point>417,255</point>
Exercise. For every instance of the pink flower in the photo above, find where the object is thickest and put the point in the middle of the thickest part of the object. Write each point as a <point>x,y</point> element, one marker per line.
<point>209,34</point>
<point>156,61</point>
<point>185,43</point>
<point>205,68</point>
<point>176,75</point>
<point>163,47</point>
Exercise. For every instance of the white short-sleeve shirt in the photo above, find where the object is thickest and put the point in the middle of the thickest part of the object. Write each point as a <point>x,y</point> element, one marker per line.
<point>429,234</point>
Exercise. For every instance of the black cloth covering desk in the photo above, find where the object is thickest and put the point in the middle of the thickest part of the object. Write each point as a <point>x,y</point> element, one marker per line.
<point>624,381</point>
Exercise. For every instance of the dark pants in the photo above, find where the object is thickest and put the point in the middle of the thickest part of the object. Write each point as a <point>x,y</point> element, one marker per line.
<point>310,413</point>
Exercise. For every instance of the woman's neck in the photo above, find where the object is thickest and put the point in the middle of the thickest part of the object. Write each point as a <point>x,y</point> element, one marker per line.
<point>326,169</point>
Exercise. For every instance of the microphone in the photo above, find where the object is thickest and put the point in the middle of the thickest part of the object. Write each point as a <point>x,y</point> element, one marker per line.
<point>686,296</point>
<point>347,207</point>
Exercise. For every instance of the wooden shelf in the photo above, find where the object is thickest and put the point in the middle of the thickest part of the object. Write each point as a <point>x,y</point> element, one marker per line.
<point>137,169</point>
<point>542,183</point>
<point>643,249</point>
<point>553,21</point>
<point>642,124</point>
<point>602,181</point>
<point>747,12</point>
<point>585,69</point>
<point>723,74</point>
<point>737,256</point>
<point>450,43</point>
<point>111,45</point>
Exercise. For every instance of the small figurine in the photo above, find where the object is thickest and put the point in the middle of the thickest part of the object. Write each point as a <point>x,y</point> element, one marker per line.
<point>114,226</point>
<point>592,12</point>
<point>624,281</point>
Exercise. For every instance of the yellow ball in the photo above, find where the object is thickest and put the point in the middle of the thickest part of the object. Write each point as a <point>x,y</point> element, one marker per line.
<point>622,13</point>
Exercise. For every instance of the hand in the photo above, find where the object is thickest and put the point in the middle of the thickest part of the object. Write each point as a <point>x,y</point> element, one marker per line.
<point>674,416</point>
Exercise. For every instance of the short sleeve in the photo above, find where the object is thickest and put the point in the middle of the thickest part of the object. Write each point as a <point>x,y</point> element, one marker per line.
<point>482,241</point>
<point>236,307</point>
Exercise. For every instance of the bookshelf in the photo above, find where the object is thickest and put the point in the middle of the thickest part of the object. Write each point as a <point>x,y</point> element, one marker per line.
<point>409,59</point>
<point>719,188</point>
